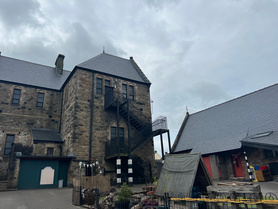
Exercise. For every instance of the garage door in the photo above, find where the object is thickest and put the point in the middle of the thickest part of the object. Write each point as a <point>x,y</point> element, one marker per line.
<point>38,174</point>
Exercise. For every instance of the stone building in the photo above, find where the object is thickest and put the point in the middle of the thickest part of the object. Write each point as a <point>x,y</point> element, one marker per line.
<point>61,124</point>
<point>227,133</point>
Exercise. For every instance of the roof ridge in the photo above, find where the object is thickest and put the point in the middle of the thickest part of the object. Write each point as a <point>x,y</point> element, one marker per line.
<point>100,55</point>
<point>235,99</point>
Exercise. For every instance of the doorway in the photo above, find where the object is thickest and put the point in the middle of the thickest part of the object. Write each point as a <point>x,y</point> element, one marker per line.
<point>237,165</point>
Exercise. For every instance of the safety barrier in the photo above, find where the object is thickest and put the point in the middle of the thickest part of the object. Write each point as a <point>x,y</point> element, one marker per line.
<point>270,200</point>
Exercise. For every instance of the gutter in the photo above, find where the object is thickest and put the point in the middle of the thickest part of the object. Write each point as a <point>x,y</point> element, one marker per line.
<point>91,117</point>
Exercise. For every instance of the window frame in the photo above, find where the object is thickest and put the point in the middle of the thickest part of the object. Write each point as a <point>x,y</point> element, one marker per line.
<point>9,143</point>
<point>50,151</point>
<point>131,92</point>
<point>124,91</point>
<point>269,154</point>
<point>16,101</point>
<point>99,87</point>
<point>114,133</point>
<point>39,98</point>
<point>107,82</point>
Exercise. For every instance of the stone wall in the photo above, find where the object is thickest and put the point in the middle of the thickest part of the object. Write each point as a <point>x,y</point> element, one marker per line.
<point>19,119</point>
<point>257,157</point>
<point>40,149</point>
<point>75,128</point>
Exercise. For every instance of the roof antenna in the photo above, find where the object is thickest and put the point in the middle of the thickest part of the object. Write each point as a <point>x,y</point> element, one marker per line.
<point>103,49</point>
<point>247,132</point>
<point>186,109</point>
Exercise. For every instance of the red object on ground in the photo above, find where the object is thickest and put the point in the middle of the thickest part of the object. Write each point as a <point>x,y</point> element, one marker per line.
<point>263,167</point>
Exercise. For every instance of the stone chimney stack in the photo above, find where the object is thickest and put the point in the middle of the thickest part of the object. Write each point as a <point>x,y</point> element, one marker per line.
<point>59,63</point>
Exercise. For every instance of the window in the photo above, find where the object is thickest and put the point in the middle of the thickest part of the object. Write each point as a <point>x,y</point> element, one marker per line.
<point>131,93</point>
<point>99,86</point>
<point>122,137</point>
<point>50,151</point>
<point>16,96</point>
<point>40,99</point>
<point>124,90</point>
<point>8,146</point>
<point>270,153</point>
<point>114,135</point>
<point>107,82</point>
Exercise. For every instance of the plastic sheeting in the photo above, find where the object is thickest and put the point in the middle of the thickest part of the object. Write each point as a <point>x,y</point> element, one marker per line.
<point>179,173</point>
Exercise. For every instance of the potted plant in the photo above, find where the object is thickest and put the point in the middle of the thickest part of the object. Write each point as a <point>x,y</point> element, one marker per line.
<point>151,200</point>
<point>124,195</point>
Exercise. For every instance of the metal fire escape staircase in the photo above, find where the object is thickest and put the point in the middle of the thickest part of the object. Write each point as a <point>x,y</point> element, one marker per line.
<point>146,129</point>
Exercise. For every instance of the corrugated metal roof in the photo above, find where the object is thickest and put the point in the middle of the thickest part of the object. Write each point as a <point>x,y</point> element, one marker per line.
<point>116,66</point>
<point>220,128</point>
<point>46,135</point>
<point>22,72</point>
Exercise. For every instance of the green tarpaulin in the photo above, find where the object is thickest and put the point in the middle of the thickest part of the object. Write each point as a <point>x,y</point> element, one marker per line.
<point>180,173</point>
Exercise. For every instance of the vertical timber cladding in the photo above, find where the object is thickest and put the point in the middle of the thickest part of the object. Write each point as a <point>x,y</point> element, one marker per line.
<point>42,173</point>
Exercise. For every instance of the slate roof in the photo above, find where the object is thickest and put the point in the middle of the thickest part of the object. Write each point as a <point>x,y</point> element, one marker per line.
<point>22,72</point>
<point>270,140</point>
<point>46,135</point>
<point>221,127</point>
<point>116,66</point>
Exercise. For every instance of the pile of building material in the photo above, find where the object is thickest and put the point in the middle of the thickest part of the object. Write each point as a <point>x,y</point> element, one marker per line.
<point>234,190</point>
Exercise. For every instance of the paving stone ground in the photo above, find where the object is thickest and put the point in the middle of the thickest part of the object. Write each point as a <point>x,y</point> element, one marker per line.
<point>61,198</point>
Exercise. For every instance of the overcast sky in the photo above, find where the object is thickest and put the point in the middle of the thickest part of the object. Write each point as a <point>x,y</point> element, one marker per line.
<point>196,53</point>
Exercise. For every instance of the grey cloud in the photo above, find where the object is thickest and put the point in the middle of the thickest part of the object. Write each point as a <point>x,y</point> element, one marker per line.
<point>207,94</point>
<point>15,13</point>
<point>82,45</point>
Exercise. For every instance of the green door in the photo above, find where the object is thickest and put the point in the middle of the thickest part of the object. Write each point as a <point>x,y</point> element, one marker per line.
<point>29,174</point>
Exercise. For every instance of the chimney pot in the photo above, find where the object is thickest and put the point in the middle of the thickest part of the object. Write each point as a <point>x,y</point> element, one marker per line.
<point>131,58</point>
<point>59,63</point>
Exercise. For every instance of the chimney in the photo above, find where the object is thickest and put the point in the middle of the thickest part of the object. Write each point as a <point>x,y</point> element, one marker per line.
<point>59,63</point>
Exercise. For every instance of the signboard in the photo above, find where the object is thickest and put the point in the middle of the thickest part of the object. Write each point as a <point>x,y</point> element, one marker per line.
<point>47,176</point>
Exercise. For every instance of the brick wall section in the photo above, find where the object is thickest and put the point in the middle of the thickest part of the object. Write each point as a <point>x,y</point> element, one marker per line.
<point>19,119</point>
